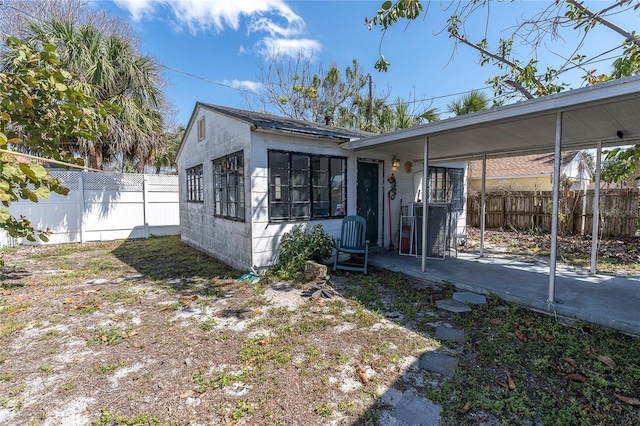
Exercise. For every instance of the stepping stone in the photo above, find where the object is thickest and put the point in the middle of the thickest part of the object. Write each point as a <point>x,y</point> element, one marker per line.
<point>468,297</point>
<point>452,306</point>
<point>439,363</point>
<point>409,409</point>
<point>449,334</point>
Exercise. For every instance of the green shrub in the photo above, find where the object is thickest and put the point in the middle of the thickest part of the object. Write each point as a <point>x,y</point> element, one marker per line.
<point>299,245</point>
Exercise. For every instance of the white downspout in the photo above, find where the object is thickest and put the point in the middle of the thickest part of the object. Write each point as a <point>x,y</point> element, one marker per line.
<point>483,203</point>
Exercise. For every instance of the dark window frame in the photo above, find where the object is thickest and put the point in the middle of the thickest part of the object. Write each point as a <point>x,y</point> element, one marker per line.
<point>446,185</point>
<point>305,189</point>
<point>229,187</point>
<point>195,188</point>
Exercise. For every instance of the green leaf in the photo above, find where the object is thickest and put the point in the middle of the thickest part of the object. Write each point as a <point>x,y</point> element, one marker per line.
<point>5,215</point>
<point>60,87</point>
<point>43,192</point>
<point>44,238</point>
<point>4,185</point>
<point>386,5</point>
<point>39,171</point>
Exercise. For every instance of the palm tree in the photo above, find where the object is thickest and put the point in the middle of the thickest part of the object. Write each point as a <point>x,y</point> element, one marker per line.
<point>471,102</point>
<point>166,155</point>
<point>109,69</point>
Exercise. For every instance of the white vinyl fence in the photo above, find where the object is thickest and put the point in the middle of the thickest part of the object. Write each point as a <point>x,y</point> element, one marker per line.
<point>104,206</point>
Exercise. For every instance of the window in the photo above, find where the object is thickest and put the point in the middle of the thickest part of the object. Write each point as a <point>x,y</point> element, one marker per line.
<point>228,186</point>
<point>303,186</point>
<point>201,128</point>
<point>446,186</point>
<point>194,184</point>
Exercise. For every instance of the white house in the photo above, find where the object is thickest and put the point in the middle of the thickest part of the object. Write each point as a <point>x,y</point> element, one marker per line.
<point>246,178</point>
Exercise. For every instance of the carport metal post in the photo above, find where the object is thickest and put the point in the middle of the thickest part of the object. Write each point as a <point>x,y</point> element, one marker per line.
<point>483,203</point>
<point>425,201</point>
<point>554,215</point>
<point>596,211</point>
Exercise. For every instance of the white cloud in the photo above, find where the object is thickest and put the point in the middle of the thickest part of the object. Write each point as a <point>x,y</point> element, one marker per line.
<point>279,27</point>
<point>251,86</point>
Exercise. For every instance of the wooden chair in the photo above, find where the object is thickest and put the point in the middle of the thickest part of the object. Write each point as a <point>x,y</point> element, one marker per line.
<point>352,241</point>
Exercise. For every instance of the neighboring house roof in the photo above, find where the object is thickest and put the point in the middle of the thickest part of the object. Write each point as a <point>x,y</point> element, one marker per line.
<point>267,121</point>
<point>521,166</point>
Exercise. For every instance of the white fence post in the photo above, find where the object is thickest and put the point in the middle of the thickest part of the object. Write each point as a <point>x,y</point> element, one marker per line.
<point>145,204</point>
<point>81,207</point>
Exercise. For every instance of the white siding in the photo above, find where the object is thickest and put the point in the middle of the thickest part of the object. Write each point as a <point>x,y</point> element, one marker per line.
<point>227,240</point>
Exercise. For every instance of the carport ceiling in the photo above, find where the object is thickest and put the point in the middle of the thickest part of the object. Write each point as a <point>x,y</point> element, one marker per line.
<point>588,115</point>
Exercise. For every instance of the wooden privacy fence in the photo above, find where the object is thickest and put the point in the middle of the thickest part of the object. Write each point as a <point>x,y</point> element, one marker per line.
<point>532,210</point>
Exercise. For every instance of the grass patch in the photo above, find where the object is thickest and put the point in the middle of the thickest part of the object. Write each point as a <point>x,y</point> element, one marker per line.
<point>559,373</point>
<point>105,369</point>
<point>10,326</point>
<point>106,336</point>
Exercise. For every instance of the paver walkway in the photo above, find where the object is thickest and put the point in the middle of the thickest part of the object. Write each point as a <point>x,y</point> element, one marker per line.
<point>411,409</point>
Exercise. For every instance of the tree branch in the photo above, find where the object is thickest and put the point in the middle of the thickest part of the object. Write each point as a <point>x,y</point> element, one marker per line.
<point>630,38</point>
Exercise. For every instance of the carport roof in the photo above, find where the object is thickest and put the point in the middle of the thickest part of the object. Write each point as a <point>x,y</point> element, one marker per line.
<point>590,114</point>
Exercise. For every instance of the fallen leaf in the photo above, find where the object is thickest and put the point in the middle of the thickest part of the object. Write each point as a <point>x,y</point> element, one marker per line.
<point>466,408</point>
<point>475,347</point>
<point>512,384</point>
<point>232,423</point>
<point>561,374</point>
<point>164,308</point>
<point>362,374</point>
<point>322,304</point>
<point>504,385</point>
<point>6,293</point>
<point>187,394</point>
<point>606,360</point>
<point>575,377</point>
<point>627,400</point>
<point>19,299</point>
<point>133,333</point>
<point>17,311</point>
<point>67,301</point>
<point>549,336</point>
<point>482,419</point>
<point>520,335</point>
<point>570,361</point>
<point>265,341</point>
<point>104,338</point>
<point>257,311</point>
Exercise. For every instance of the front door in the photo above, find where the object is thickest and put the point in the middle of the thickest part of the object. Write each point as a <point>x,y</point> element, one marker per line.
<point>367,201</point>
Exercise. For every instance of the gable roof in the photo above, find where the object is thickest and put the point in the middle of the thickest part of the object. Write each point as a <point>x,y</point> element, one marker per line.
<point>524,165</point>
<point>270,122</point>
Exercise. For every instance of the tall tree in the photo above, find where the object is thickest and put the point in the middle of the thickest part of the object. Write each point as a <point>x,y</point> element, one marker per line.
<point>109,68</point>
<point>298,89</point>
<point>523,77</point>
<point>39,109</point>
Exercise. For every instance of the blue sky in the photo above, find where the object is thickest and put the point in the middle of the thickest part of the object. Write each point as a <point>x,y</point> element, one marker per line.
<point>221,44</point>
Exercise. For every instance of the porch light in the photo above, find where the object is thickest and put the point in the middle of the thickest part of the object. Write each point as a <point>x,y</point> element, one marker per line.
<point>396,162</point>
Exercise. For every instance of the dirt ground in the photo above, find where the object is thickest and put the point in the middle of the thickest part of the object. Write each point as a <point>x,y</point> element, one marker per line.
<point>152,332</point>
<point>87,338</point>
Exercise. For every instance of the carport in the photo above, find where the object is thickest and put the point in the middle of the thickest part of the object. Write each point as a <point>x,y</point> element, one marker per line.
<point>603,115</point>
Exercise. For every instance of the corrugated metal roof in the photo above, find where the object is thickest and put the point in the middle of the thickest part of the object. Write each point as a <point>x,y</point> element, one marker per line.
<point>272,122</point>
